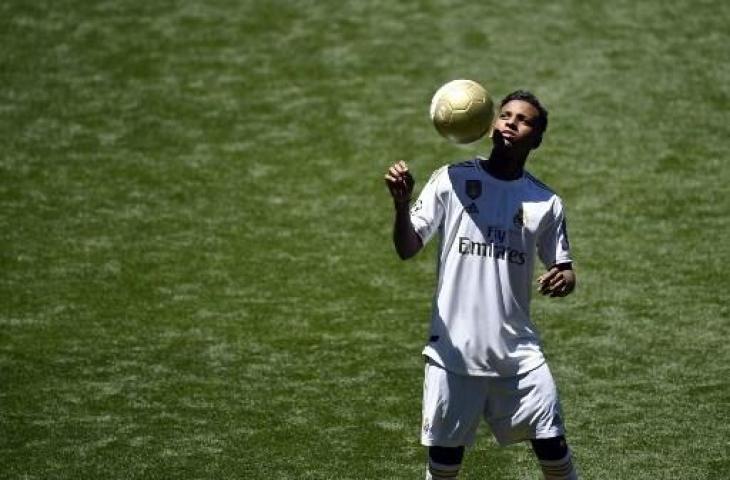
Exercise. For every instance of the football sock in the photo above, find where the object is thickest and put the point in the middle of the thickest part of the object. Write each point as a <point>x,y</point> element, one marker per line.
<point>562,469</point>
<point>439,471</point>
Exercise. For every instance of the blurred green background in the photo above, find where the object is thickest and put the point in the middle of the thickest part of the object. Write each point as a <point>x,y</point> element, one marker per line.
<point>196,274</point>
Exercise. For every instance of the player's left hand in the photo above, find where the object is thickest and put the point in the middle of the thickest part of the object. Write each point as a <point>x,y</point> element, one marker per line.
<point>559,281</point>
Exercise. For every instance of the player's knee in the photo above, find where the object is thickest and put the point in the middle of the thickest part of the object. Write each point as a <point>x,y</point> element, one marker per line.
<point>444,463</point>
<point>550,448</point>
<point>446,455</point>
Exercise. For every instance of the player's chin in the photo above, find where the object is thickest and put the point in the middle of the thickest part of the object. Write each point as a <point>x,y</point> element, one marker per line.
<point>499,141</point>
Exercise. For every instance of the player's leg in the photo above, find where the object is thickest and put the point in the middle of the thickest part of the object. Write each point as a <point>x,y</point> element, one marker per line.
<point>444,462</point>
<point>527,407</point>
<point>554,457</point>
<point>451,413</point>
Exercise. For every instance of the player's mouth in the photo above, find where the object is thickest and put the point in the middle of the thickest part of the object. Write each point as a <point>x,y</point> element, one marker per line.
<point>508,133</point>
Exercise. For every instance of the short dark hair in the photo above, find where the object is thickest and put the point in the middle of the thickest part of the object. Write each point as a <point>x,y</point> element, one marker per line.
<point>529,97</point>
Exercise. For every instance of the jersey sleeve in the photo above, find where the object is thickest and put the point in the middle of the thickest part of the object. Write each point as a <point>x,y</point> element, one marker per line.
<point>428,210</point>
<point>553,245</point>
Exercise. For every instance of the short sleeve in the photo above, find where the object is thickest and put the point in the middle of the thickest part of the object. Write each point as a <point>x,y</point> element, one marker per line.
<point>553,245</point>
<point>428,210</point>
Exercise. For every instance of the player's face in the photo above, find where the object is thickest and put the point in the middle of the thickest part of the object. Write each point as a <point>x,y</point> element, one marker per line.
<point>517,122</point>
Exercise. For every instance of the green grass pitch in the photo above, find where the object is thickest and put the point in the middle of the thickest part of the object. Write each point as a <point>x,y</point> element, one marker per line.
<point>196,274</point>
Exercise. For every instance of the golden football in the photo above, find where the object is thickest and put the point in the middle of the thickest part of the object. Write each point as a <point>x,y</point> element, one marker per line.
<point>462,111</point>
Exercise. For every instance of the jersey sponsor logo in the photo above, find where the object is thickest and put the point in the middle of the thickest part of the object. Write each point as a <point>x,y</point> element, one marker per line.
<point>472,208</point>
<point>495,234</point>
<point>497,251</point>
<point>473,189</point>
<point>418,205</point>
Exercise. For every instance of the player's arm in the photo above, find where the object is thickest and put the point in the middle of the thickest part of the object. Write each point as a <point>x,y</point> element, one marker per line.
<point>400,185</point>
<point>558,281</point>
<point>553,248</point>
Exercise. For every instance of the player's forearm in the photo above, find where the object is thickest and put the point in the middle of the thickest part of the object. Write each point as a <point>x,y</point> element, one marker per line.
<point>406,240</point>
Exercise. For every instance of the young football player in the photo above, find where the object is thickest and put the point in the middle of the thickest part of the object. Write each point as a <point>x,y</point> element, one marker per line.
<point>483,356</point>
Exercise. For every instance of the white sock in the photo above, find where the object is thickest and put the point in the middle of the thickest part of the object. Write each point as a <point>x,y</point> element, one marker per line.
<point>438,471</point>
<point>562,469</point>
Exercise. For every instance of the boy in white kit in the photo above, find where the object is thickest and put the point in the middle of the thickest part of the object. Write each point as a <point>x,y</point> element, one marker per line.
<point>483,358</point>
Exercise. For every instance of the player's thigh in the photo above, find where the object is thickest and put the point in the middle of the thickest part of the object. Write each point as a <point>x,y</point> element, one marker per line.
<point>525,407</point>
<point>452,407</point>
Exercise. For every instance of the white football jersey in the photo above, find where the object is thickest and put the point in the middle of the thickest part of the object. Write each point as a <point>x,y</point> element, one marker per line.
<point>489,232</point>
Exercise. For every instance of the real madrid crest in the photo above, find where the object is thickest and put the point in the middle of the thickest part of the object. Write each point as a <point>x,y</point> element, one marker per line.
<point>519,218</point>
<point>473,189</point>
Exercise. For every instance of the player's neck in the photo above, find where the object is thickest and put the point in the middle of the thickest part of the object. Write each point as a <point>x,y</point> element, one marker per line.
<point>505,166</point>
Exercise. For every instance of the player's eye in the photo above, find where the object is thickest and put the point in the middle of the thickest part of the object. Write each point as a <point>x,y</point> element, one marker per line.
<point>525,120</point>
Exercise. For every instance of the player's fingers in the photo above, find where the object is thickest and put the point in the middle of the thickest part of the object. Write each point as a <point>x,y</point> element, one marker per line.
<point>395,173</point>
<point>545,277</point>
<point>560,292</point>
<point>400,168</point>
<point>565,288</point>
<point>556,280</point>
<point>557,288</point>
<point>550,288</point>
<point>390,179</point>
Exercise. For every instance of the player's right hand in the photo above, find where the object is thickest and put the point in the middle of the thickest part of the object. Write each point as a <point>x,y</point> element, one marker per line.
<point>400,183</point>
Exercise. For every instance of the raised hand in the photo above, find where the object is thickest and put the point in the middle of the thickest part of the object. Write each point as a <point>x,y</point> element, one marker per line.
<point>400,182</point>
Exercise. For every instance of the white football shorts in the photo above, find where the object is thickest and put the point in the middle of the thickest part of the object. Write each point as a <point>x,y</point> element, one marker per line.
<point>516,408</point>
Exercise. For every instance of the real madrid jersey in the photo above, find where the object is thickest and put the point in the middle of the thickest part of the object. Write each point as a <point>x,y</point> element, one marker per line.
<point>489,232</point>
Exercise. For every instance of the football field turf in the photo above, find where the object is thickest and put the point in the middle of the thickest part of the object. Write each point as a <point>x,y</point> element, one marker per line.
<point>196,271</point>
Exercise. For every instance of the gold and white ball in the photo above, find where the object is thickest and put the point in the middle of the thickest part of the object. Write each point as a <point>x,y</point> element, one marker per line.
<point>462,111</point>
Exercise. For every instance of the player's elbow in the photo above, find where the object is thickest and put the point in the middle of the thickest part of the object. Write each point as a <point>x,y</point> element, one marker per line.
<point>406,253</point>
<point>407,247</point>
